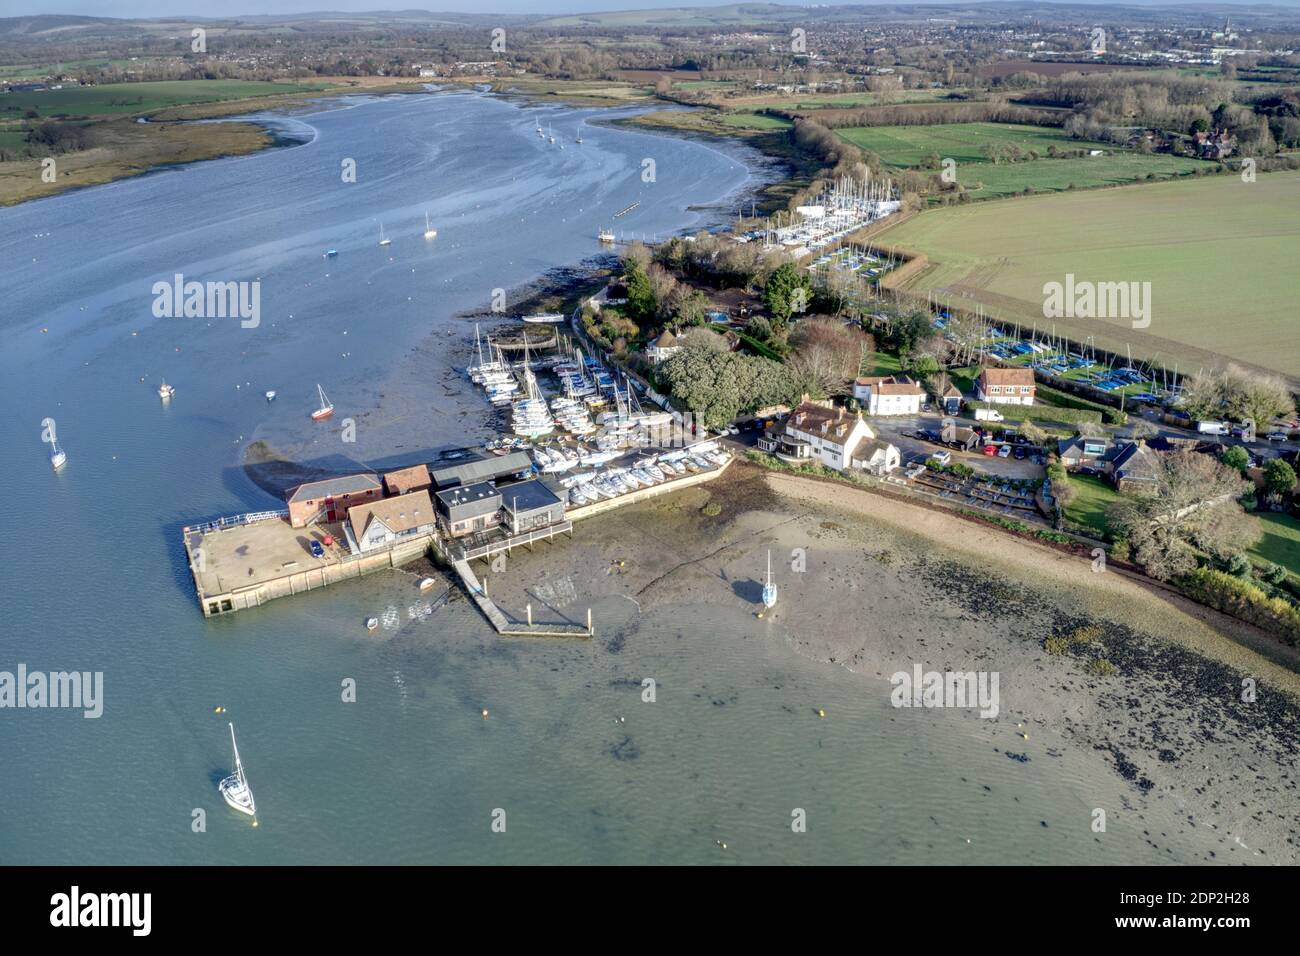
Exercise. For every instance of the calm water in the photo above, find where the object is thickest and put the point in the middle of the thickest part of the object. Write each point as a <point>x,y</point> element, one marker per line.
<point>94,577</point>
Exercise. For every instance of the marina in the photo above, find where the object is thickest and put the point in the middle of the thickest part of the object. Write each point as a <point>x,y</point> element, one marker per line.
<point>575,442</point>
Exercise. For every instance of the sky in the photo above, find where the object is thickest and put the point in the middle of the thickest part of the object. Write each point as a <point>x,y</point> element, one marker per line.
<point>208,8</point>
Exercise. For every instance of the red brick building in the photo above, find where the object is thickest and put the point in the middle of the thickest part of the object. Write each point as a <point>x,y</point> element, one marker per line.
<point>329,500</point>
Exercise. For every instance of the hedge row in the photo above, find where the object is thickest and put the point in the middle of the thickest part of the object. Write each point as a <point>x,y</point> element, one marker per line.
<point>1014,413</point>
<point>1244,600</point>
<point>1066,400</point>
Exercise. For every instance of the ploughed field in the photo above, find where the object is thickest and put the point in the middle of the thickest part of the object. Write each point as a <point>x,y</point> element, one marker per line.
<point>1220,255</point>
<point>906,147</point>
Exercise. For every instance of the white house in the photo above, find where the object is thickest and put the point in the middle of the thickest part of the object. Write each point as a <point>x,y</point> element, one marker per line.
<point>663,347</point>
<point>888,395</point>
<point>816,432</point>
<point>380,523</point>
<point>876,456</point>
<point>1006,386</point>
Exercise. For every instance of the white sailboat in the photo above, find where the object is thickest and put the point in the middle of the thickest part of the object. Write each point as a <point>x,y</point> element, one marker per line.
<point>383,240</point>
<point>235,788</point>
<point>326,408</point>
<point>769,589</point>
<point>429,231</point>
<point>58,457</point>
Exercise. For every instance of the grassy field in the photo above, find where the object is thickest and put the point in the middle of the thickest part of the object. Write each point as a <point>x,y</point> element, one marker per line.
<point>754,121</point>
<point>1092,497</point>
<point>906,147</point>
<point>117,99</point>
<point>1281,542</point>
<point>1220,255</point>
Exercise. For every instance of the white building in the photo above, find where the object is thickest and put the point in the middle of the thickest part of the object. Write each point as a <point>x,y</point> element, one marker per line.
<point>888,395</point>
<point>380,523</point>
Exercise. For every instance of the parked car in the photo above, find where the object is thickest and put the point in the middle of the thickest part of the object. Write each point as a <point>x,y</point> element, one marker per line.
<point>990,449</point>
<point>316,550</point>
<point>1020,452</point>
<point>1276,436</point>
<point>1004,451</point>
<point>926,407</point>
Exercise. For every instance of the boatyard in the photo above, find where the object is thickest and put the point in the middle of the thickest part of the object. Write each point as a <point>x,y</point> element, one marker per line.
<point>575,443</point>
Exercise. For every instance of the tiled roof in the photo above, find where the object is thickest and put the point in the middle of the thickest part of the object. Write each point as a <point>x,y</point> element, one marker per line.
<point>403,513</point>
<point>831,423</point>
<point>404,479</point>
<point>1007,376</point>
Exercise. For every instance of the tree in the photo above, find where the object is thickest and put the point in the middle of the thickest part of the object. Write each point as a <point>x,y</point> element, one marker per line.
<point>788,290</point>
<point>717,386</point>
<point>1032,433</point>
<point>1141,428</point>
<point>1192,506</point>
<point>1279,477</point>
<point>641,303</point>
<point>1236,457</point>
<point>827,356</point>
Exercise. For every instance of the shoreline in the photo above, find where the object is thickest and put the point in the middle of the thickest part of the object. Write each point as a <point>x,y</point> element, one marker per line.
<point>889,585</point>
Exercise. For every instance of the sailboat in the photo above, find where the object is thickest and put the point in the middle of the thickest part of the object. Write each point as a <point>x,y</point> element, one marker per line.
<point>58,457</point>
<point>270,395</point>
<point>326,406</point>
<point>383,240</point>
<point>165,391</point>
<point>550,135</point>
<point>429,231</point>
<point>579,139</point>
<point>769,589</point>
<point>235,787</point>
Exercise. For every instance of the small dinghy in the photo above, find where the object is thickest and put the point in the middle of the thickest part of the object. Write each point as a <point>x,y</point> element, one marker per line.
<point>235,787</point>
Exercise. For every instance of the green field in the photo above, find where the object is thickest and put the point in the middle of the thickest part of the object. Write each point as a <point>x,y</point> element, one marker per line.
<point>1092,497</point>
<point>906,147</point>
<point>1280,543</point>
<point>129,98</point>
<point>755,121</point>
<point>1220,255</point>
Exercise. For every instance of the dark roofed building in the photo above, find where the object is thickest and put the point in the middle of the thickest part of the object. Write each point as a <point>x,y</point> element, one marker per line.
<point>330,499</point>
<point>481,469</point>
<point>466,509</point>
<point>1135,467</point>
<point>530,504</point>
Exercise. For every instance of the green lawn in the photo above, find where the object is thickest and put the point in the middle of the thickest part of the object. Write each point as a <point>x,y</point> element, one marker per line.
<point>880,363</point>
<point>1088,508</point>
<point>1280,543</point>
<point>906,147</point>
<point>130,98</point>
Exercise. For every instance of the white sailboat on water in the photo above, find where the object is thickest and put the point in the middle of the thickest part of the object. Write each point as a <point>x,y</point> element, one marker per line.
<point>235,788</point>
<point>326,408</point>
<point>769,589</point>
<point>429,231</point>
<point>383,240</point>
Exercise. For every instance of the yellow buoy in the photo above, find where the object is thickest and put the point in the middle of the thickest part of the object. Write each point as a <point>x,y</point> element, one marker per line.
<point>821,713</point>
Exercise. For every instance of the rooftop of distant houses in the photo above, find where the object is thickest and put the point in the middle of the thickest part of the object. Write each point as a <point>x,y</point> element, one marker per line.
<point>482,497</point>
<point>527,496</point>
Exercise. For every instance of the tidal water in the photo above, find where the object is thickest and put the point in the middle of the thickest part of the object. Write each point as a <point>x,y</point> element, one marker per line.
<point>94,576</point>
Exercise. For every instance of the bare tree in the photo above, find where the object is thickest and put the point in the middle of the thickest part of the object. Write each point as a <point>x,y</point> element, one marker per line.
<point>1192,506</point>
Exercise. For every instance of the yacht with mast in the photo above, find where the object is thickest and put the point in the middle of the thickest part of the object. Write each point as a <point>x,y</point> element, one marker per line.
<point>383,239</point>
<point>235,788</point>
<point>326,408</point>
<point>769,589</point>
<point>429,231</point>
